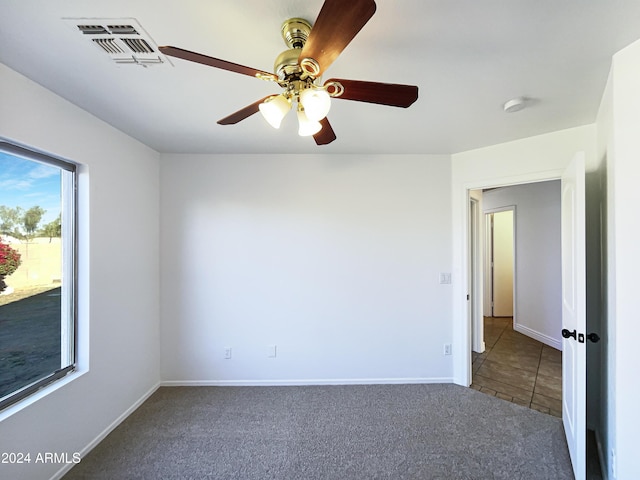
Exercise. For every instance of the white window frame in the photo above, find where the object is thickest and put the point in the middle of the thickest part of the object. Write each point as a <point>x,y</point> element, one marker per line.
<point>69,306</point>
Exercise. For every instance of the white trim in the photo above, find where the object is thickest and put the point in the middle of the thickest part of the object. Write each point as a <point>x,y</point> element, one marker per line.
<point>91,445</point>
<point>532,177</point>
<point>302,382</point>
<point>45,391</point>
<point>541,337</point>
<point>476,270</point>
<point>461,323</point>
<point>487,295</point>
<point>505,208</point>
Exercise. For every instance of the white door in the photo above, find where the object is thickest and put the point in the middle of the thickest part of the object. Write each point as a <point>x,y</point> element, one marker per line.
<point>503,263</point>
<point>574,313</point>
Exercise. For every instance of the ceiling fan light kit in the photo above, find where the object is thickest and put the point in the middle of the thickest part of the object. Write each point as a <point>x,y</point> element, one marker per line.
<point>298,78</point>
<point>274,109</point>
<point>306,126</point>
<point>298,71</point>
<point>316,102</point>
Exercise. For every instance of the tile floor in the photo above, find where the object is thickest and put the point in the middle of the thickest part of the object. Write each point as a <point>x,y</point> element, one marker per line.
<point>517,368</point>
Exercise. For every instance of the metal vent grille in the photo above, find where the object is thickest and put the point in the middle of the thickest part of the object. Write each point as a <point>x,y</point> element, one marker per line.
<point>122,29</point>
<point>109,45</point>
<point>123,39</point>
<point>138,45</point>
<point>92,29</point>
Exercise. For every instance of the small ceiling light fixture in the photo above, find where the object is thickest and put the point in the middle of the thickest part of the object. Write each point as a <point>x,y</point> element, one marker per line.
<point>515,105</point>
<point>306,126</point>
<point>274,109</point>
<point>313,105</point>
<point>316,102</point>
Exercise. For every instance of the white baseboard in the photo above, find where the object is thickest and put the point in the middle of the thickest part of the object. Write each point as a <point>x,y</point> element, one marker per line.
<point>481,348</point>
<point>60,473</point>
<point>300,382</point>
<point>547,340</point>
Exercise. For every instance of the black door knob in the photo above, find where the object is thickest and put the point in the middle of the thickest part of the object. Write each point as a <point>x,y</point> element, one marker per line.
<point>594,337</point>
<point>566,333</point>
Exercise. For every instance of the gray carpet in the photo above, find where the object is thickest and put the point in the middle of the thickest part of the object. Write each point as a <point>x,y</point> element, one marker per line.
<point>330,432</point>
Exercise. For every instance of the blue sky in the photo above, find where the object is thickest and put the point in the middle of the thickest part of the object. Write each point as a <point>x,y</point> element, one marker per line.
<point>26,183</point>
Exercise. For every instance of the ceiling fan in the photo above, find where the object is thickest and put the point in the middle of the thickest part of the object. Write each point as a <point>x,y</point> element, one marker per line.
<point>298,71</point>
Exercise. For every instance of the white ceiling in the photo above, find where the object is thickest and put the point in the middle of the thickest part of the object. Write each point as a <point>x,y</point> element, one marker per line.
<point>466,56</point>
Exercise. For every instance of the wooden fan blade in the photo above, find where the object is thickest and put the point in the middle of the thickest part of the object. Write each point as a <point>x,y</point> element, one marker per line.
<point>243,113</point>
<point>326,135</point>
<point>216,62</point>
<point>392,94</point>
<point>337,24</point>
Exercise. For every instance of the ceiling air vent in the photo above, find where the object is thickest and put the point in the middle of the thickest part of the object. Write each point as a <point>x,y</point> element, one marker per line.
<point>138,45</point>
<point>92,29</point>
<point>123,39</point>
<point>122,29</point>
<point>109,45</point>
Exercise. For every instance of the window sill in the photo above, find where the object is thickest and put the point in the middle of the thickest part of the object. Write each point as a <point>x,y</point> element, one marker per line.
<point>40,394</point>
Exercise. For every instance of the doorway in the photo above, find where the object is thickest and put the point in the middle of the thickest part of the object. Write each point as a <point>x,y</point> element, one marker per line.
<point>571,277</point>
<point>499,262</point>
<point>520,260</point>
<point>519,360</point>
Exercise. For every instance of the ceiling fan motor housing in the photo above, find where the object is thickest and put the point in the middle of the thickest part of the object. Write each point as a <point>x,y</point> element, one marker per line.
<point>286,64</point>
<point>295,32</point>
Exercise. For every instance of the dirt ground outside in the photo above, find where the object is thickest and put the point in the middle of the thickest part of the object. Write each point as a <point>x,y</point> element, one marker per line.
<point>24,292</point>
<point>29,336</point>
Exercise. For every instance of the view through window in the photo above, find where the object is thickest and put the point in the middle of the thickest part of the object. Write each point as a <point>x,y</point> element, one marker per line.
<point>37,271</point>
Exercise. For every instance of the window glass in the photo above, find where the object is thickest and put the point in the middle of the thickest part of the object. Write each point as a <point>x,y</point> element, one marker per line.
<point>37,271</point>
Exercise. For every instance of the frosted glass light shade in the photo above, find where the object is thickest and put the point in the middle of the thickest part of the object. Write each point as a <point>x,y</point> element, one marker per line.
<point>306,126</point>
<point>316,103</point>
<point>274,109</point>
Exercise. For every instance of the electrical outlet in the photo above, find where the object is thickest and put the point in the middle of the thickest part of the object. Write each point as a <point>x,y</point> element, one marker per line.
<point>447,349</point>
<point>445,278</point>
<point>271,351</point>
<point>227,353</point>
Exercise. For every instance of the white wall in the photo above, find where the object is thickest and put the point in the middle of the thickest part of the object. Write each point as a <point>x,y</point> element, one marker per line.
<point>619,125</point>
<point>538,279</point>
<point>334,259</point>
<point>119,271</point>
<point>543,157</point>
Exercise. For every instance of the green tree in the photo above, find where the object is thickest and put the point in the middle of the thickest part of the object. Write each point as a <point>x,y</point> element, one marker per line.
<point>52,229</point>
<point>11,221</point>
<point>31,220</point>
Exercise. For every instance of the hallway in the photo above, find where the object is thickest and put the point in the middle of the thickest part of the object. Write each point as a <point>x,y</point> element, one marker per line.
<point>517,368</point>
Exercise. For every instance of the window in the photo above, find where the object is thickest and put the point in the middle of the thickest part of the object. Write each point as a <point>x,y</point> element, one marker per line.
<point>37,271</point>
